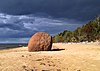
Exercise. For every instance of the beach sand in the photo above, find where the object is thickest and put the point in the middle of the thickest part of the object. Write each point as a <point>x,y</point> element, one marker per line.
<point>63,57</point>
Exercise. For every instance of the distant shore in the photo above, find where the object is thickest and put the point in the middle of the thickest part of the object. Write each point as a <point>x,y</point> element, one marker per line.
<point>12,45</point>
<point>16,45</point>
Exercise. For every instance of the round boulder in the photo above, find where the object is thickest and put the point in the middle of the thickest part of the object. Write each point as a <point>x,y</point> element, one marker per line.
<point>40,41</point>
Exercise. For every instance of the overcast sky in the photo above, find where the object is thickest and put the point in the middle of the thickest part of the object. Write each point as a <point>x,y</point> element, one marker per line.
<point>22,18</point>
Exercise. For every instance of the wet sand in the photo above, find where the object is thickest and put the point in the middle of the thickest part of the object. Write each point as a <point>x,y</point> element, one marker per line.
<point>63,57</point>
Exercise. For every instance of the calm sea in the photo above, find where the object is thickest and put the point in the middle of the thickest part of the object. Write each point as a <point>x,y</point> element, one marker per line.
<point>13,42</point>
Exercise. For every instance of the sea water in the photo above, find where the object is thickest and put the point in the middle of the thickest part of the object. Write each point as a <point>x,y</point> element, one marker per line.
<point>13,42</point>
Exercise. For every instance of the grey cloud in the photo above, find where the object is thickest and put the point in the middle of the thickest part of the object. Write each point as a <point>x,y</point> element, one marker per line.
<point>72,9</point>
<point>27,25</point>
<point>12,26</point>
<point>14,40</point>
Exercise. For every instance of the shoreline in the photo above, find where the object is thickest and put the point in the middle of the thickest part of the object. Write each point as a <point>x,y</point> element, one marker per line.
<point>17,45</point>
<point>11,45</point>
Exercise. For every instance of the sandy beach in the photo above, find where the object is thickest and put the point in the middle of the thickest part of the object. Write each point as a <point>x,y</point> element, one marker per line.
<point>63,57</point>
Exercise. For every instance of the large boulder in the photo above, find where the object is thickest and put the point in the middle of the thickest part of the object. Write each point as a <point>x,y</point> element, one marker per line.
<point>40,41</point>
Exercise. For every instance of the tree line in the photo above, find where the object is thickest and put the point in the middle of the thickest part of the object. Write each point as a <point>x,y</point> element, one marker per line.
<point>88,32</point>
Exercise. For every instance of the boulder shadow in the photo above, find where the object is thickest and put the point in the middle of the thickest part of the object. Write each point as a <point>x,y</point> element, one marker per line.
<point>57,49</point>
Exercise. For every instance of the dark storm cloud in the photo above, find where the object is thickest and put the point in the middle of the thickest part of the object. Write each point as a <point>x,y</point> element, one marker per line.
<point>52,16</point>
<point>27,25</point>
<point>13,26</point>
<point>72,9</point>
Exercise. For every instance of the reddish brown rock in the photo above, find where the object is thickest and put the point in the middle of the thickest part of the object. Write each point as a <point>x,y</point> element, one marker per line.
<point>40,41</point>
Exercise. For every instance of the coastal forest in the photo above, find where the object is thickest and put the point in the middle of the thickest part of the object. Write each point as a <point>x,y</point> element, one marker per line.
<point>88,32</point>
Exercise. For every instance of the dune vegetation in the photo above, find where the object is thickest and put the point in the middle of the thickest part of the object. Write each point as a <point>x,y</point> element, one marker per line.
<point>88,32</point>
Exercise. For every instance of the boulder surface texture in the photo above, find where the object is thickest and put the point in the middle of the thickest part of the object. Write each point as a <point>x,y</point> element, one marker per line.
<point>41,41</point>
